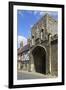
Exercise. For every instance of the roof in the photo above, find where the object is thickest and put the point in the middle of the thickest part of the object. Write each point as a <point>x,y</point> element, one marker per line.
<point>23,49</point>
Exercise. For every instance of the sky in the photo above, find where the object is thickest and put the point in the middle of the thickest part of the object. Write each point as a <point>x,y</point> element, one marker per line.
<point>26,19</point>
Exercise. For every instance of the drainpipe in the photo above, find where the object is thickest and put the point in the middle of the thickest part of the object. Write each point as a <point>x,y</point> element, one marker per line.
<point>49,53</point>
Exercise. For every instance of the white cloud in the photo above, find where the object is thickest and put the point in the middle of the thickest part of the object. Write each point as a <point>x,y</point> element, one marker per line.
<point>51,13</point>
<point>31,26</point>
<point>20,13</point>
<point>35,12</point>
<point>41,13</point>
<point>22,38</point>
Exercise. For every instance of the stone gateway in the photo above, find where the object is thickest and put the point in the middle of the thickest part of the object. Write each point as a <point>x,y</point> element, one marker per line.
<point>44,46</point>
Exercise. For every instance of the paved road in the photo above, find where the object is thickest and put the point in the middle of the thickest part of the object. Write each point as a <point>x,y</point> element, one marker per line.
<point>28,75</point>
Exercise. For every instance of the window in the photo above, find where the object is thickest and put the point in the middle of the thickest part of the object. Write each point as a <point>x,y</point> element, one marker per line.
<point>32,40</point>
<point>41,34</point>
<point>37,33</point>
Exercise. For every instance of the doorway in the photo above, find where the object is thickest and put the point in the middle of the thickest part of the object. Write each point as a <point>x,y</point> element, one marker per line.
<point>39,56</point>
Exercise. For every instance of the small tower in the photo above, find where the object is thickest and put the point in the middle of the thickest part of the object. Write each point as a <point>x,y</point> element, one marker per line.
<point>21,44</point>
<point>28,41</point>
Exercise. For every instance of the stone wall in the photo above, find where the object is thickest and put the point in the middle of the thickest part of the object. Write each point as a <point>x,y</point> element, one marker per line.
<point>54,58</point>
<point>48,24</point>
<point>52,26</point>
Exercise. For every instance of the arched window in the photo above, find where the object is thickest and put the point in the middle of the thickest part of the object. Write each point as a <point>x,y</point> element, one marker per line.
<point>41,34</point>
<point>37,33</point>
<point>33,40</point>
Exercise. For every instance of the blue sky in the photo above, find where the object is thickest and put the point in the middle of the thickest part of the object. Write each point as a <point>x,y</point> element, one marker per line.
<point>26,19</point>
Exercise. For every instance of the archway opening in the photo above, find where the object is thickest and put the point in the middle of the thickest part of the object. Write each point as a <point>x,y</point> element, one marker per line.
<point>39,56</point>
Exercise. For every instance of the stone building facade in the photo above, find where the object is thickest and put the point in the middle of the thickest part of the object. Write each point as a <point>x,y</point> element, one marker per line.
<point>44,46</point>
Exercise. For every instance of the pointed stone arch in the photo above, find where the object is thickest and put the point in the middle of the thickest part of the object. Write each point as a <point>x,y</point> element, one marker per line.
<point>39,53</point>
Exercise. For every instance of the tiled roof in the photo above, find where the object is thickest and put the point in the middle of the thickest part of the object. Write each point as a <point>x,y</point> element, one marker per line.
<point>23,49</point>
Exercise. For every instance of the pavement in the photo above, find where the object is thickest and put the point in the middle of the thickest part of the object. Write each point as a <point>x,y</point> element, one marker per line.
<point>32,75</point>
